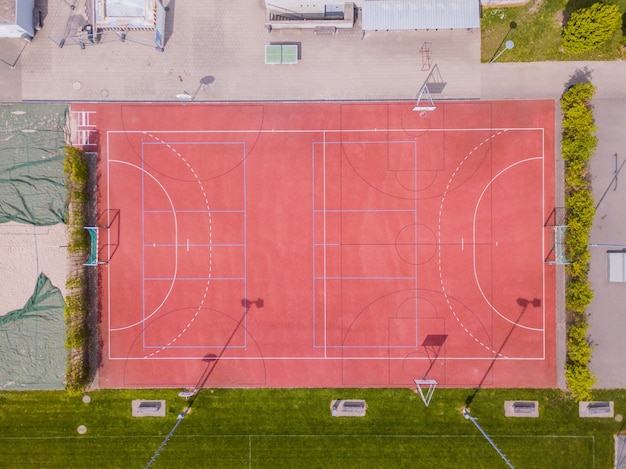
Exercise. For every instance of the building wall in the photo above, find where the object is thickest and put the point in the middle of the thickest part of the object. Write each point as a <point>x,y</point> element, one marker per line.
<point>25,16</point>
<point>314,6</point>
<point>23,24</point>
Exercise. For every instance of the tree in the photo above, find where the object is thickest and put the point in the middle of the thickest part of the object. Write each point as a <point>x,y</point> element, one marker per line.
<point>590,27</point>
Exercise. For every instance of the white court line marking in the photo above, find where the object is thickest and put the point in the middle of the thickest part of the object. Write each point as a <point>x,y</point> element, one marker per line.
<point>108,176</point>
<point>325,247</point>
<point>487,186</point>
<point>443,287</point>
<point>208,208</point>
<point>462,244</point>
<point>401,131</point>
<point>300,131</point>
<point>113,329</point>
<point>356,359</point>
<point>543,238</point>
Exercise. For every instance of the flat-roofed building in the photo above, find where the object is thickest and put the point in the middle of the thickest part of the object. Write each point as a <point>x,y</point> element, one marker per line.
<point>387,15</point>
<point>17,18</point>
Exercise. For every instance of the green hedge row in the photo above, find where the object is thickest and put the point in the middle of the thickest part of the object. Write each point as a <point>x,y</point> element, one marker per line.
<point>76,311</point>
<point>578,147</point>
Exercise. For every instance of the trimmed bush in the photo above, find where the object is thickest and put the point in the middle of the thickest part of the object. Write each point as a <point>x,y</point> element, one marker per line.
<point>578,146</point>
<point>588,28</point>
<point>76,311</point>
<point>580,267</point>
<point>576,240</point>
<point>578,294</point>
<point>580,380</point>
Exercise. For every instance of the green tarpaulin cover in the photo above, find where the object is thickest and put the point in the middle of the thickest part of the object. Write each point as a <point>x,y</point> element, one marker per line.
<point>32,341</point>
<point>32,183</point>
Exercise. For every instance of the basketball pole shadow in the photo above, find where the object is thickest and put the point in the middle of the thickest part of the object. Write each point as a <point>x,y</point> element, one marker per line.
<point>524,303</point>
<point>433,343</point>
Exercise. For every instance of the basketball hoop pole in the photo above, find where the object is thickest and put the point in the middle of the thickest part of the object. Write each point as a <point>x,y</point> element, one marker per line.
<point>467,415</point>
<point>424,94</point>
<point>431,383</point>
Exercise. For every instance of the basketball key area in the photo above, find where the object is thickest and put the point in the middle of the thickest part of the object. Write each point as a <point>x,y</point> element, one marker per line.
<point>326,244</point>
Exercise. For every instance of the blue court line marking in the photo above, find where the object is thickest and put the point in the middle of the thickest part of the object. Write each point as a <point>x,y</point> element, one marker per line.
<point>195,211</point>
<point>407,210</point>
<point>313,302</point>
<point>415,249</point>
<point>412,347</point>
<point>245,251</point>
<point>143,249</point>
<point>182,279</point>
<point>191,245</point>
<point>169,142</point>
<point>323,244</point>
<point>363,278</point>
<point>415,222</point>
<point>360,142</point>
<point>143,212</point>
<point>220,347</point>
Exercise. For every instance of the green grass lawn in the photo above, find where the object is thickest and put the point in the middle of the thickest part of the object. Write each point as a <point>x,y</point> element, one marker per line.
<point>537,36</point>
<point>294,428</point>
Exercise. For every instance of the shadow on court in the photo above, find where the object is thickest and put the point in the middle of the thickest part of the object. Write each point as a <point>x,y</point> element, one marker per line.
<point>433,344</point>
<point>524,303</point>
<point>212,359</point>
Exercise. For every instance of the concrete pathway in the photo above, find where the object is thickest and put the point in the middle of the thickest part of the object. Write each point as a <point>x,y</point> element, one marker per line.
<point>215,52</point>
<point>607,312</point>
<point>538,80</point>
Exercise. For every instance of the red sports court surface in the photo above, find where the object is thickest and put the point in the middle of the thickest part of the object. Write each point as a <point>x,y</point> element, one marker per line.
<point>325,244</point>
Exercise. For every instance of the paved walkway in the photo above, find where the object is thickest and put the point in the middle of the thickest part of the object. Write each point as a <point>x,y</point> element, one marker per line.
<point>549,79</point>
<point>607,312</point>
<point>215,52</point>
<point>223,43</point>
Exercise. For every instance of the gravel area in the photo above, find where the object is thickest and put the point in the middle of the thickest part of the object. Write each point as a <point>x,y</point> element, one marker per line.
<point>26,252</point>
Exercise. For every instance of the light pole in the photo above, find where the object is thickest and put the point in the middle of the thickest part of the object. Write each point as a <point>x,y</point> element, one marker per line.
<point>467,415</point>
<point>204,81</point>
<point>507,45</point>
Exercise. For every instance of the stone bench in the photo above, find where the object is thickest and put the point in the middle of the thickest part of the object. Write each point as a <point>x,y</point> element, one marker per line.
<point>600,409</point>
<point>325,30</point>
<point>521,409</point>
<point>147,408</point>
<point>348,408</point>
<point>524,407</point>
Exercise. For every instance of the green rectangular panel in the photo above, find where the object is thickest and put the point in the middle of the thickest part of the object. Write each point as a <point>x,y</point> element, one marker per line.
<point>290,54</point>
<point>272,54</point>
